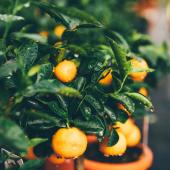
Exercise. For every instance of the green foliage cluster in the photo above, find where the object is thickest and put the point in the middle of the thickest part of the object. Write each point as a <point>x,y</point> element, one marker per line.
<point>34,104</point>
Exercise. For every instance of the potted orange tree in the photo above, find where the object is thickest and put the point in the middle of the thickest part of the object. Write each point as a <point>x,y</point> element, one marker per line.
<point>53,95</point>
<point>140,44</point>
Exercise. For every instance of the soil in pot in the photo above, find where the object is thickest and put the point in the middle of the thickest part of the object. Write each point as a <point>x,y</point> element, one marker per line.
<point>131,155</point>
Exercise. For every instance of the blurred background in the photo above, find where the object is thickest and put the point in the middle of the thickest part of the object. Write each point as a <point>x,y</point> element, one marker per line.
<point>158,17</point>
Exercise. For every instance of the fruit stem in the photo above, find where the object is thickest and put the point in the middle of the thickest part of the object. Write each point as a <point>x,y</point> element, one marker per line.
<point>67,124</point>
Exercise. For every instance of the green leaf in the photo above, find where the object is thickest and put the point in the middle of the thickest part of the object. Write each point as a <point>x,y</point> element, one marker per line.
<point>34,70</point>
<point>113,138</point>
<point>45,71</point>
<point>52,12</point>
<point>77,49</point>
<point>9,18</point>
<point>120,56</point>
<point>86,111</point>
<point>154,54</point>
<point>96,104</point>
<point>43,116</point>
<point>30,36</point>
<point>79,83</point>
<point>26,55</point>
<point>36,141</point>
<point>92,126</point>
<point>12,136</point>
<point>21,4</point>
<point>125,100</point>
<point>140,38</point>
<point>38,123</point>
<point>70,17</point>
<point>69,91</point>
<point>89,25</point>
<point>79,17</point>
<point>110,113</point>
<point>8,68</point>
<point>55,108</point>
<point>141,70</point>
<point>121,116</point>
<point>142,99</point>
<point>62,102</point>
<point>118,38</point>
<point>51,86</point>
<point>32,165</point>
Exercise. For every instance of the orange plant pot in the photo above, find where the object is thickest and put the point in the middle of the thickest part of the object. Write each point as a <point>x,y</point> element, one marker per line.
<point>144,162</point>
<point>67,165</point>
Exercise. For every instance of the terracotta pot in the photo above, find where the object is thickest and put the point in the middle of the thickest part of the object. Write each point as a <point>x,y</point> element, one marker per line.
<point>67,165</point>
<point>143,163</point>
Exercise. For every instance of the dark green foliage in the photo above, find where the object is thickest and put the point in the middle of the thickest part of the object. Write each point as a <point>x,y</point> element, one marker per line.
<point>12,136</point>
<point>32,164</point>
<point>7,68</point>
<point>113,138</point>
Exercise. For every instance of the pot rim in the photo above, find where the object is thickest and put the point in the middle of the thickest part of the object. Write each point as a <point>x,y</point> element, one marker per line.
<point>143,163</point>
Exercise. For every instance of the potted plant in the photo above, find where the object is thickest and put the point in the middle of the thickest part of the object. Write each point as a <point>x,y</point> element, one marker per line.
<point>56,94</point>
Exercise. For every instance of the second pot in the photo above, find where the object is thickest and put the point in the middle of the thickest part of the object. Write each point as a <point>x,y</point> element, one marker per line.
<point>144,162</point>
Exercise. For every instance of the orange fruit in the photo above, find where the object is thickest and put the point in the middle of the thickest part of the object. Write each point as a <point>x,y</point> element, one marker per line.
<point>56,159</point>
<point>107,80</point>
<point>143,91</point>
<point>91,139</point>
<point>69,142</point>
<point>138,63</point>
<point>65,71</point>
<point>44,33</point>
<point>120,106</point>
<point>116,150</point>
<point>59,30</point>
<point>134,137</point>
<point>125,128</point>
<point>30,154</point>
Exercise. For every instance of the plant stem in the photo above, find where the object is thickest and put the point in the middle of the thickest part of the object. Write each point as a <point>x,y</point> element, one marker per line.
<point>67,124</point>
<point>78,163</point>
<point>123,82</point>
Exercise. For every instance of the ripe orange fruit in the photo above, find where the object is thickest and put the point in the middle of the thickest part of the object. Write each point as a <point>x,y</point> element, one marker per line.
<point>139,64</point>
<point>125,128</point>
<point>134,137</point>
<point>59,30</point>
<point>65,71</point>
<point>30,154</point>
<point>120,106</point>
<point>116,150</point>
<point>107,80</point>
<point>56,159</point>
<point>143,91</point>
<point>69,142</point>
<point>44,33</point>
